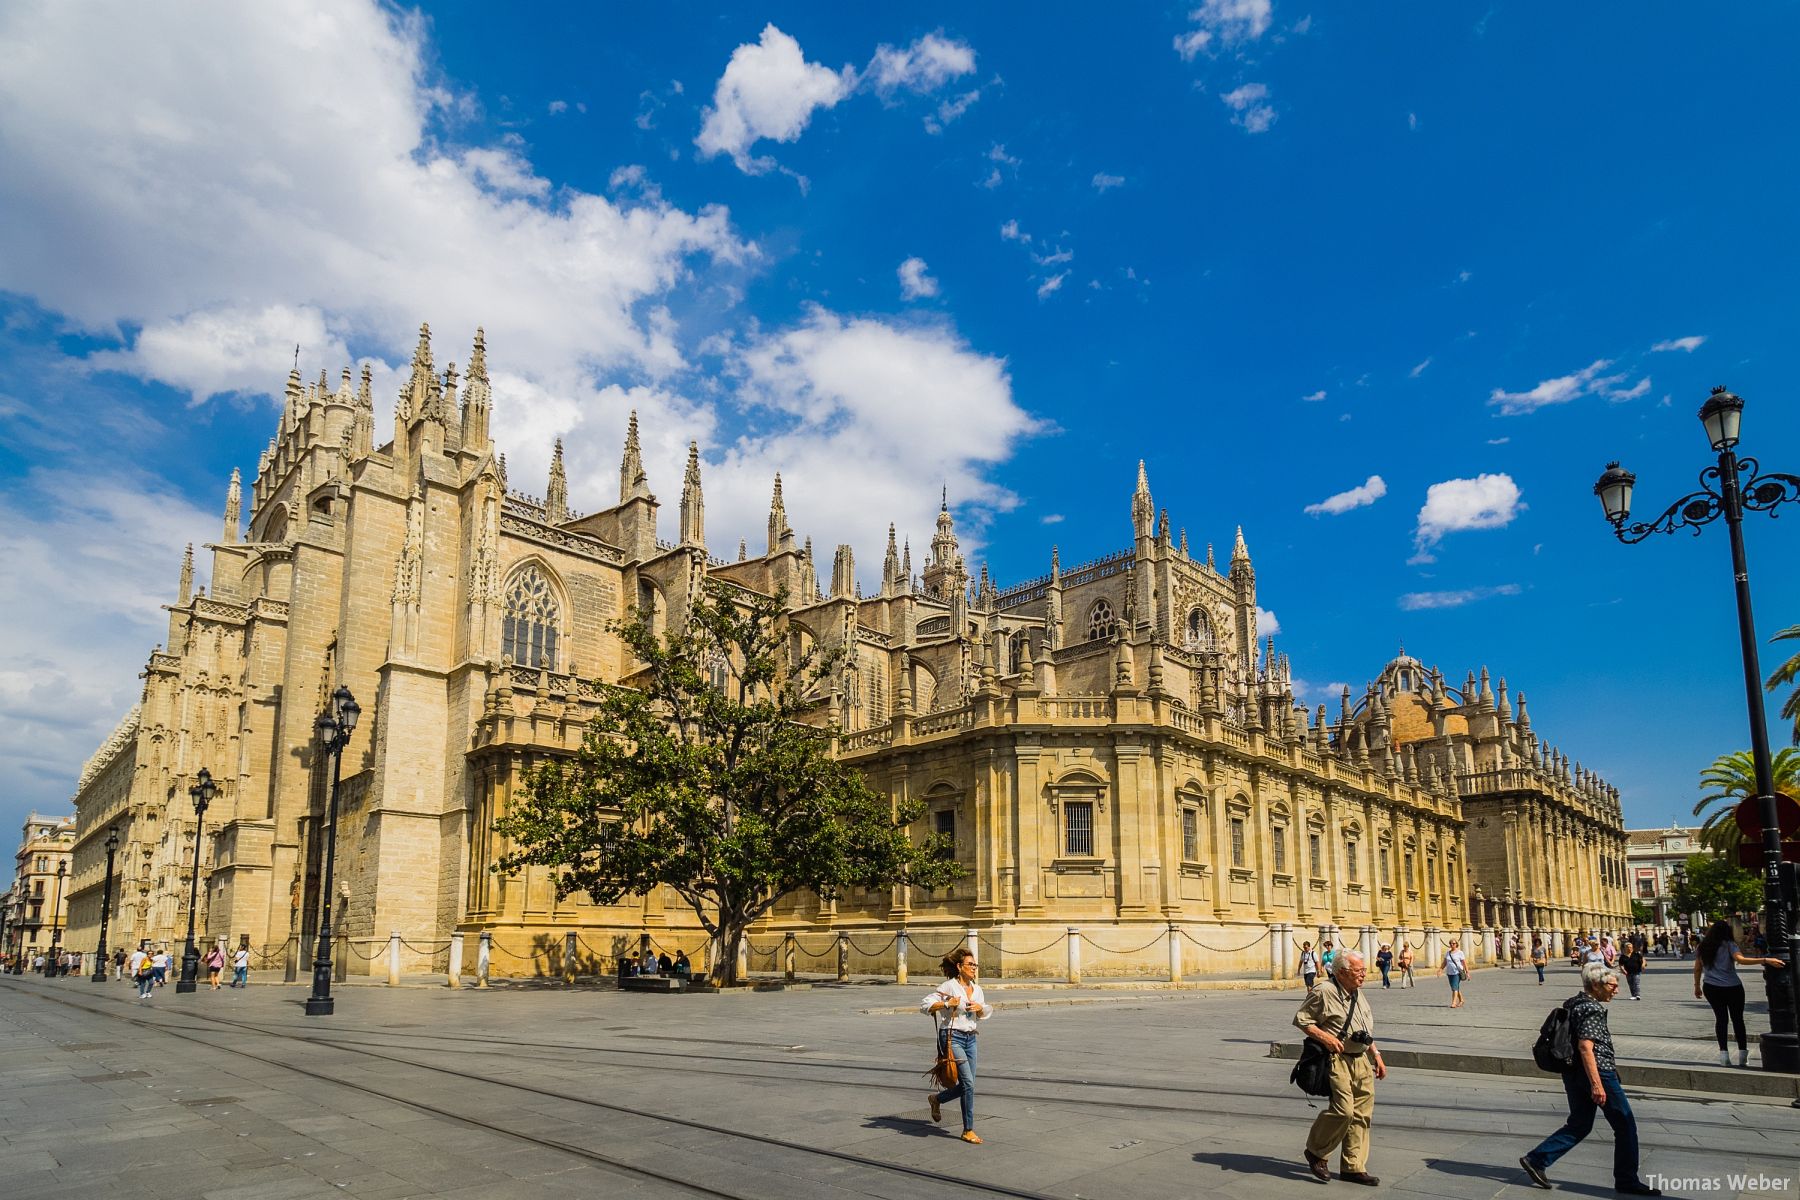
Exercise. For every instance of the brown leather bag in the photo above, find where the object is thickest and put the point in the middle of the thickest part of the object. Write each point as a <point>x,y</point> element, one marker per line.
<point>943,1071</point>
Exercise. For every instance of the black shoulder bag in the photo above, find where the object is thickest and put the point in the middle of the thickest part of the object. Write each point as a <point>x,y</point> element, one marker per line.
<point>1312,1074</point>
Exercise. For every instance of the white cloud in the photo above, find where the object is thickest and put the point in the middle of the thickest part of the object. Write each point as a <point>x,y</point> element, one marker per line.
<point>224,351</point>
<point>948,110</point>
<point>1689,344</point>
<point>1250,108</point>
<point>924,66</point>
<point>1367,493</point>
<point>992,181</point>
<point>915,280</point>
<point>1464,277</point>
<point>1012,233</point>
<point>1234,20</point>
<point>1103,181</point>
<point>1455,505</point>
<point>1266,623</point>
<point>1499,441</point>
<point>1564,388</point>
<point>558,106</point>
<point>1191,43</point>
<point>1412,121</point>
<point>1052,519</point>
<point>770,91</point>
<point>1417,601</point>
<point>1055,258</point>
<point>1314,397</point>
<point>1051,285</point>
<point>1420,369</point>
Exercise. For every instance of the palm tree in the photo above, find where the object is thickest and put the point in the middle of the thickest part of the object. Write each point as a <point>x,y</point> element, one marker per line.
<point>1789,673</point>
<point>1733,777</point>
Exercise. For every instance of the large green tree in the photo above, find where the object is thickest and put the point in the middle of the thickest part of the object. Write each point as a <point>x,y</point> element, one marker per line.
<point>705,776</point>
<point>1731,778</point>
<point>1716,887</point>
<point>1788,675</point>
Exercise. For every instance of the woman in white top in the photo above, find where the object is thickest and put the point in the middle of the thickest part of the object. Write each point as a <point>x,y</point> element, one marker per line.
<point>957,1005</point>
<point>1455,967</point>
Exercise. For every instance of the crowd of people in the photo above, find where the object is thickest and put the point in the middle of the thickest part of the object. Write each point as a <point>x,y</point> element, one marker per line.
<point>678,967</point>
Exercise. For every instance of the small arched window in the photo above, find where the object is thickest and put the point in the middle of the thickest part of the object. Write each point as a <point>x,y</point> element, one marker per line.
<point>1015,653</point>
<point>532,620</point>
<point>1101,623</point>
<point>1199,631</point>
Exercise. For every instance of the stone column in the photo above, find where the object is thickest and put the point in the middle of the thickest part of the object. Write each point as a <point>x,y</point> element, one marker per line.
<point>1468,935</point>
<point>568,962</point>
<point>1174,953</point>
<point>974,941</point>
<point>843,957</point>
<point>484,952</point>
<point>1366,942</point>
<point>1278,951</point>
<point>1073,938</point>
<point>787,956</point>
<point>1433,947</point>
<point>900,956</point>
<point>456,957</point>
<point>393,957</point>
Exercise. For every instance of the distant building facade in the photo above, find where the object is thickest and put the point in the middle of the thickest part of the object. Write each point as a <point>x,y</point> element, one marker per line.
<point>1651,857</point>
<point>1112,747</point>
<point>40,888</point>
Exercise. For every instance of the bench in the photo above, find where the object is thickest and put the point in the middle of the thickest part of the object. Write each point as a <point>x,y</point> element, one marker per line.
<point>653,983</point>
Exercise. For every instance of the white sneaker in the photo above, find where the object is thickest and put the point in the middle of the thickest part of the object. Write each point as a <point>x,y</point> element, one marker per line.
<point>1743,1057</point>
<point>1724,1058</point>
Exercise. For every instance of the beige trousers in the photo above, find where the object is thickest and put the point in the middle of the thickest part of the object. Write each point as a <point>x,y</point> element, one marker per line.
<point>1346,1119</point>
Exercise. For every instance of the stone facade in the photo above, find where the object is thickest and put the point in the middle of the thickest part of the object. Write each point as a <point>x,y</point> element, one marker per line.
<point>1111,747</point>
<point>37,915</point>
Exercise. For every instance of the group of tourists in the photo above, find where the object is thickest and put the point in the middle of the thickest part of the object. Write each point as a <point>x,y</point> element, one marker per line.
<point>1312,965</point>
<point>633,965</point>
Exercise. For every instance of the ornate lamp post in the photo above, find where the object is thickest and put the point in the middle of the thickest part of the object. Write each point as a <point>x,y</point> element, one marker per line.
<point>112,846</point>
<point>203,791</point>
<point>1726,490</point>
<point>333,730</point>
<point>51,968</point>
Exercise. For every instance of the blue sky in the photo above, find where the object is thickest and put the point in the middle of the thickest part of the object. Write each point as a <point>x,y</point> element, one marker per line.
<point>1420,268</point>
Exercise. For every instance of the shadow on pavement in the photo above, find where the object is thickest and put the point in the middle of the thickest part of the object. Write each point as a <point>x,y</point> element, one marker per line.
<point>1507,1173</point>
<point>1254,1164</point>
<point>912,1126</point>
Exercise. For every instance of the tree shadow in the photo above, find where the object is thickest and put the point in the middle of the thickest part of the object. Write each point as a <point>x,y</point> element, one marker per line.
<point>1504,1173</point>
<point>1254,1164</point>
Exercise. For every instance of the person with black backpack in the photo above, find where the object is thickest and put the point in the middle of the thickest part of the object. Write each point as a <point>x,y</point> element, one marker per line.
<point>1576,1042</point>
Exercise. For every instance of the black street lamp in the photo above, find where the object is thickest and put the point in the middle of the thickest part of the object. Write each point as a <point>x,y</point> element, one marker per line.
<point>112,846</point>
<point>333,730</point>
<point>203,791</point>
<point>1726,490</point>
<point>50,963</point>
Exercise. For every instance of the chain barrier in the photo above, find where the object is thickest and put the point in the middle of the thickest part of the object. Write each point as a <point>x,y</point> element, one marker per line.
<point>913,943</point>
<point>434,947</point>
<point>1104,950</point>
<point>532,957</point>
<point>828,955</point>
<point>269,960</point>
<point>1004,952</point>
<point>380,948</point>
<point>879,950</point>
<point>1216,950</point>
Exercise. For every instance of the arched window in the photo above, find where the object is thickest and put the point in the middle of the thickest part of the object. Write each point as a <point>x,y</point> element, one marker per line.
<point>1015,653</point>
<point>532,620</point>
<point>1101,623</point>
<point>1199,631</point>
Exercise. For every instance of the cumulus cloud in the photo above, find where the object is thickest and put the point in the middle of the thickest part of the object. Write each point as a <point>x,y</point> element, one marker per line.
<point>1225,21</point>
<point>769,91</point>
<point>1012,233</point>
<point>1104,182</point>
<point>1590,380</point>
<point>1455,505</point>
<point>1250,108</point>
<point>1266,623</point>
<point>915,280</point>
<point>1365,494</point>
<point>924,66</point>
<point>950,109</point>
<point>1688,344</point>
<point>1417,601</point>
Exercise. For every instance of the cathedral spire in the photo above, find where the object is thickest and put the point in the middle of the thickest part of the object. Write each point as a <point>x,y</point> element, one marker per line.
<point>290,410</point>
<point>477,399</point>
<point>693,505</point>
<point>1143,509</point>
<point>944,557</point>
<point>419,399</point>
<point>234,508</point>
<point>1239,551</point>
<point>633,483</point>
<point>362,422</point>
<point>556,496</point>
<point>187,576</point>
<point>778,526</point>
<point>890,565</point>
<point>906,564</point>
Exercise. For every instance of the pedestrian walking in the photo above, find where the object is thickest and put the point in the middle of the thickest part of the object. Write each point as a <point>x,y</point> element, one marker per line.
<point>1406,964</point>
<point>1516,952</point>
<point>240,967</point>
<point>143,969</point>
<point>159,967</point>
<point>1540,958</point>
<point>215,965</point>
<point>1309,965</point>
<point>957,1005</point>
<point>1326,955</point>
<point>1455,968</point>
<point>1592,1086</point>
<point>118,964</point>
<point>1631,961</point>
<point>1716,979</point>
<point>1384,958</point>
<point>1337,1016</point>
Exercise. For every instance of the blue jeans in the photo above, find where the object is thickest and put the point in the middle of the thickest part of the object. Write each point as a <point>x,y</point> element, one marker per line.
<point>962,1048</point>
<point>1582,1108</point>
<point>240,977</point>
<point>145,984</point>
<point>1384,976</point>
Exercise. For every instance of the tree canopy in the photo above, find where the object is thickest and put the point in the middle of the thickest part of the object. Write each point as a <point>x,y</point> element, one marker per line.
<point>704,777</point>
<point>1717,888</point>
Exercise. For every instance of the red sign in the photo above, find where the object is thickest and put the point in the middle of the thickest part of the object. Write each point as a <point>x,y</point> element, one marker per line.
<point>1749,823</point>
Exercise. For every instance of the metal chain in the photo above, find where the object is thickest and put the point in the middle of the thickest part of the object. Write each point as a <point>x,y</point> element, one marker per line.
<point>1004,952</point>
<point>881,949</point>
<point>435,948</point>
<point>1096,945</point>
<point>1216,950</point>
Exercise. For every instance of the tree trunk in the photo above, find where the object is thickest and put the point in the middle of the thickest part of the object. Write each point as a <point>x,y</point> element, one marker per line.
<point>725,950</point>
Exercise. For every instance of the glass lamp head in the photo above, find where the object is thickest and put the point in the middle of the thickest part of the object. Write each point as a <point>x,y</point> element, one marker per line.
<point>1614,490</point>
<point>1722,415</point>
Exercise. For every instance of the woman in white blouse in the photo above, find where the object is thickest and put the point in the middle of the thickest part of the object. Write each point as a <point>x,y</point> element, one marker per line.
<point>957,1005</point>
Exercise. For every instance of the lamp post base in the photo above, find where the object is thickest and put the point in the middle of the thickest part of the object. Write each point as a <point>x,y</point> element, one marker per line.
<point>320,1006</point>
<point>1780,1052</point>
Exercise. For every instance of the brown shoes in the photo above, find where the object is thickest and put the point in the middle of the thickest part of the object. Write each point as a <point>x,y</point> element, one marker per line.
<point>1362,1177</point>
<point>1319,1167</point>
<point>937,1112</point>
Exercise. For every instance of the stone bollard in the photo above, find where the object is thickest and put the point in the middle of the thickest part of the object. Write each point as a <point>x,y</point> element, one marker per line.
<point>568,963</point>
<point>900,956</point>
<point>1074,940</point>
<point>393,958</point>
<point>1433,948</point>
<point>1468,935</point>
<point>290,954</point>
<point>484,955</point>
<point>974,943</point>
<point>340,967</point>
<point>743,959</point>
<point>1366,940</point>
<point>1174,953</point>
<point>787,956</point>
<point>843,955</point>
<point>456,952</point>
<point>1278,947</point>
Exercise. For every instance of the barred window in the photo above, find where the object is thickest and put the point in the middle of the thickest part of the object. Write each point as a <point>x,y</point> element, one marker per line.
<point>1279,836</point>
<point>1101,623</point>
<point>1412,884</point>
<point>1078,828</point>
<point>945,822</point>
<point>1315,854</point>
<point>1015,653</point>
<point>1384,866</point>
<point>1190,834</point>
<point>1237,841</point>
<point>1350,848</point>
<point>532,618</point>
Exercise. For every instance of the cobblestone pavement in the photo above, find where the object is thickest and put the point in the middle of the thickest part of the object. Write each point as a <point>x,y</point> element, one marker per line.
<point>547,1093</point>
